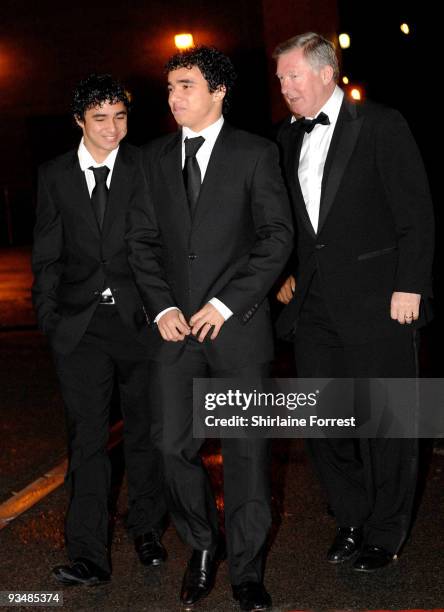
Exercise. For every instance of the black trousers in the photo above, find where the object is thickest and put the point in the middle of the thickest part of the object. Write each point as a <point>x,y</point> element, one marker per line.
<point>246,465</point>
<point>369,482</point>
<point>86,377</point>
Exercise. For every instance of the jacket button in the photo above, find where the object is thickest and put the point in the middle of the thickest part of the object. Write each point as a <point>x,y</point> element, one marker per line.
<point>320,246</point>
<point>104,262</point>
<point>192,256</point>
<point>97,293</point>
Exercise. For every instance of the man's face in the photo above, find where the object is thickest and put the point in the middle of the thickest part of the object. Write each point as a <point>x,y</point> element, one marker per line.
<point>305,90</point>
<point>103,128</point>
<point>190,100</point>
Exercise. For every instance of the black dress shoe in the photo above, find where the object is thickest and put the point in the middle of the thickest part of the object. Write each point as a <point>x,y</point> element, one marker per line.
<point>199,578</point>
<point>347,543</point>
<point>150,549</point>
<point>82,571</point>
<point>372,558</point>
<point>252,596</point>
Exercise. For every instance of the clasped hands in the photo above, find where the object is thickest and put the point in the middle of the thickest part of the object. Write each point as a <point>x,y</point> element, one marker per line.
<point>404,307</point>
<point>173,326</point>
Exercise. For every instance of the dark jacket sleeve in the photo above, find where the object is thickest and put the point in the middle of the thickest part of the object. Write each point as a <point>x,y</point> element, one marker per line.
<point>144,241</point>
<point>274,236</point>
<point>46,257</point>
<point>407,191</point>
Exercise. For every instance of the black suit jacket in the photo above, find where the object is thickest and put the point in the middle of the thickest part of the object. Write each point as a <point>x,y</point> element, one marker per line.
<point>233,249</point>
<point>375,233</point>
<point>73,261</point>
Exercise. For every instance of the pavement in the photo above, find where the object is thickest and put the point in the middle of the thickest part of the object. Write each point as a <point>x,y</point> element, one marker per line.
<point>32,442</point>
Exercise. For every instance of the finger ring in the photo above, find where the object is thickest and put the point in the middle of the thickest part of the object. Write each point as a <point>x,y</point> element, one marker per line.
<point>408,316</point>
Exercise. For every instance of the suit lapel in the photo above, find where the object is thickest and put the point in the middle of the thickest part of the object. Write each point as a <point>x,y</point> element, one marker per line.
<point>216,174</point>
<point>292,139</point>
<point>75,185</point>
<point>341,147</point>
<point>171,165</point>
<point>120,186</point>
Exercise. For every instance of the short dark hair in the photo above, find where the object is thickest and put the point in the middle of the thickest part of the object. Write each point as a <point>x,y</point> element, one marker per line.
<point>94,91</point>
<point>215,66</point>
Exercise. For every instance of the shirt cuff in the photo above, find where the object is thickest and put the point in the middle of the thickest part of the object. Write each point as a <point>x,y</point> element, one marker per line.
<point>163,312</point>
<point>221,308</point>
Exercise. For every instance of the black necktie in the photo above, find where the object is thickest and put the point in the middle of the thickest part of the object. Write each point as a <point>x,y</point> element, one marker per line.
<point>308,124</point>
<point>191,170</point>
<point>99,194</point>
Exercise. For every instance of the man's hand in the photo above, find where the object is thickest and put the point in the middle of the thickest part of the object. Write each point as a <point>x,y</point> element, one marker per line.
<point>404,307</point>
<point>173,326</point>
<point>204,319</point>
<point>285,293</point>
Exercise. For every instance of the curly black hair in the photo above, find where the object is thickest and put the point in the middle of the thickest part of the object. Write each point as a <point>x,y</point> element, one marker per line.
<point>215,67</point>
<point>94,91</point>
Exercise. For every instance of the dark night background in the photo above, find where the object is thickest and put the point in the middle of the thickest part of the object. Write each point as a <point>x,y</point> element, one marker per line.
<point>46,47</point>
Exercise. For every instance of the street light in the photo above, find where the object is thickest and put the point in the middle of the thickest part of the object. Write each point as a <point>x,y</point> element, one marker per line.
<point>344,41</point>
<point>184,41</point>
<point>405,28</point>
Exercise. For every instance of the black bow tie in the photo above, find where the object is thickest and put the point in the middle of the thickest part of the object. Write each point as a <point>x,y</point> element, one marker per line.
<point>308,124</point>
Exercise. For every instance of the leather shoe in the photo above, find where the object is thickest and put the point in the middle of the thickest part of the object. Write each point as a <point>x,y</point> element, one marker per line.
<point>150,549</point>
<point>372,558</point>
<point>82,571</point>
<point>347,543</point>
<point>252,596</point>
<point>199,577</point>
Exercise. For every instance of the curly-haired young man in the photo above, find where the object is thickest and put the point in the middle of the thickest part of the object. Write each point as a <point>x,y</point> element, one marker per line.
<point>88,305</point>
<point>206,249</point>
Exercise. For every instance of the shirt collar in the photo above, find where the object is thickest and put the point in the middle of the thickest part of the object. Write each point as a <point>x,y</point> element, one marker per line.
<point>331,107</point>
<point>86,159</point>
<point>210,133</point>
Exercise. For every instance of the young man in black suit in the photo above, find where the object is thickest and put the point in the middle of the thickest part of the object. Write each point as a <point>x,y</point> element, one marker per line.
<point>363,278</point>
<point>88,305</point>
<point>206,249</point>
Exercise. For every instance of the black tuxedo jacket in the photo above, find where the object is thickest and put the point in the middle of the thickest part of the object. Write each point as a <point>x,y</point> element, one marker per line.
<point>73,261</point>
<point>375,233</point>
<point>233,248</point>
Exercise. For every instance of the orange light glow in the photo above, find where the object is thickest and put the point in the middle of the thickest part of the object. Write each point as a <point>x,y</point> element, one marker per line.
<point>220,503</point>
<point>4,63</point>
<point>356,93</point>
<point>184,41</point>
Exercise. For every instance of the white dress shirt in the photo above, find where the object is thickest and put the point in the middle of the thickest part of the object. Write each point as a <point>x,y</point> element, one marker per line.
<point>86,160</point>
<point>314,153</point>
<point>203,155</point>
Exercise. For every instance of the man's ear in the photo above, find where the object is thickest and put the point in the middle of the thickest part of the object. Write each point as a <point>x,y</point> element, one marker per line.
<point>326,73</point>
<point>219,93</point>
<point>79,121</point>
